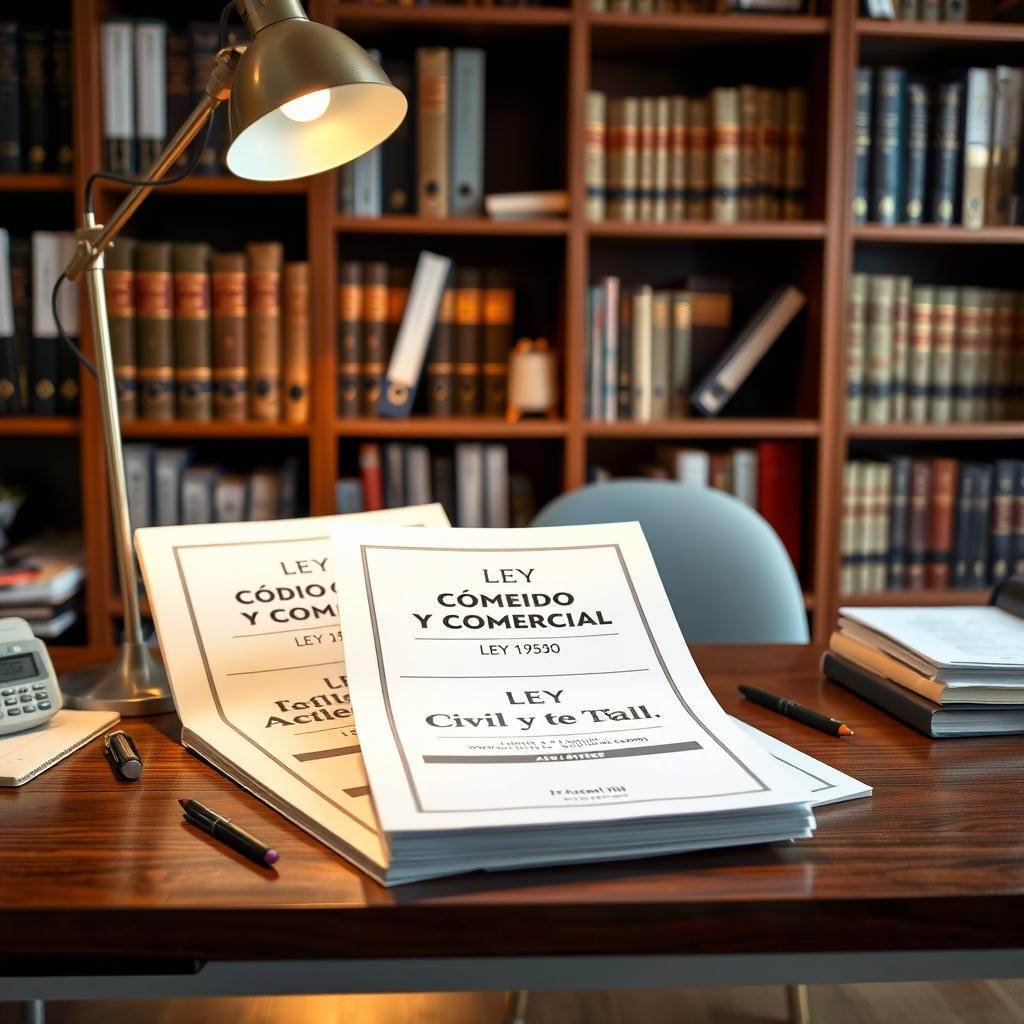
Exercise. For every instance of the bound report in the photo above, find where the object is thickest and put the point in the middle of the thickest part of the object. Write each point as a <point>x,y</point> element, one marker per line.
<point>525,697</point>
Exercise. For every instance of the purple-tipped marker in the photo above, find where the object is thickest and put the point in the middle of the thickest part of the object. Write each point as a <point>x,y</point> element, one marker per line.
<point>221,828</point>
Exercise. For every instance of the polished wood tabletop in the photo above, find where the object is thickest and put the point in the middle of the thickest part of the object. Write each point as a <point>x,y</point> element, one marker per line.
<point>934,859</point>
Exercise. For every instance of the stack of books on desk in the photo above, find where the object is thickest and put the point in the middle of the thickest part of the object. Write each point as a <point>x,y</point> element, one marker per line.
<point>40,583</point>
<point>946,671</point>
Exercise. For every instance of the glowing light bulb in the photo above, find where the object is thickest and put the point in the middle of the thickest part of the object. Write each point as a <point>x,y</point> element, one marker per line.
<point>308,107</point>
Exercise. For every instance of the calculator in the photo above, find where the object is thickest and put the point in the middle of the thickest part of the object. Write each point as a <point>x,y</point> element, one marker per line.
<point>29,694</point>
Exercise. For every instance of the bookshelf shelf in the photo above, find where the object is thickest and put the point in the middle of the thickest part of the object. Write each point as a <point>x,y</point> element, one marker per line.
<point>36,182</point>
<point>1009,430</point>
<point>399,224</point>
<point>38,426</point>
<point>999,33</point>
<point>468,428</point>
<point>186,429</point>
<point>748,429</point>
<point>777,231</point>
<point>620,30</point>
<point>214,185</point>
<point>366,15</point>
<point>934,234</point>
<point>909,598</point>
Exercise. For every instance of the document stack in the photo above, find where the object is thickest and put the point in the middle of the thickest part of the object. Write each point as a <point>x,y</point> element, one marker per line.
<point>955,671</point>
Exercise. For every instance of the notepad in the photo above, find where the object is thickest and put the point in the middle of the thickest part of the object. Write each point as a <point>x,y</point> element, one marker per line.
<point>24,755</point>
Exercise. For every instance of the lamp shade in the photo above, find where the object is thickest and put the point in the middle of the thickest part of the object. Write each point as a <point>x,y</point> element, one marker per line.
<point>306,98</point>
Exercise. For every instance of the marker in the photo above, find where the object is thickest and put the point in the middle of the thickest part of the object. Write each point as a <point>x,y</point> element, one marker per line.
<point>221,828</point>
<point>790,708</point>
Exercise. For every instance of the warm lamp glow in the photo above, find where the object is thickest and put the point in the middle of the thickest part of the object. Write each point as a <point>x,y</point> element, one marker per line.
<point>308,107</point>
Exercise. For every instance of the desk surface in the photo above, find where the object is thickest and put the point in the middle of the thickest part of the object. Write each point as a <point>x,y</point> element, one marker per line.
<point>934,860</point>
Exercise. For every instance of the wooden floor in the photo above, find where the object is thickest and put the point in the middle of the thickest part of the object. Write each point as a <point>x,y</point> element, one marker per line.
<point>982,1002</point>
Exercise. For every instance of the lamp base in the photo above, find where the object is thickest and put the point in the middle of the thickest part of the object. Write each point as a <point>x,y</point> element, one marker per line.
<point>133,685</point>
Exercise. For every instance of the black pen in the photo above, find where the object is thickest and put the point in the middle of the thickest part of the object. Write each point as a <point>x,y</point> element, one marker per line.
<point>790,708</point>
<point>231,835</point>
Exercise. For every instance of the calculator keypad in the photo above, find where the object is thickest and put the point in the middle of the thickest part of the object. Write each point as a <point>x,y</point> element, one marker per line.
<point>22,701</point>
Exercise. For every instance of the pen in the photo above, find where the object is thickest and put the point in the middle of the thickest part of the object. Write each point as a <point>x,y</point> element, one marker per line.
<point>790,708</point>
<point>231,835</point>
<point>122,751</point>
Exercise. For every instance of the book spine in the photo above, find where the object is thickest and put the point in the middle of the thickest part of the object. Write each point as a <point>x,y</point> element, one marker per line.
<point>610,350</point>
<point>917,152</point>
<point>469,485</point>
<point>641,378</point>
<point>21,300</point>
<point>398,151</point>
<point>375,334</point>
<point>624,403</point>
<point>629,162</point>
<point>499,318</point>
<point>178,86</point>
<point>263,263</point>
<point>496,486</point>
<point>350,338</point>
<point>150,90</point>
<point>118,95</point>
<point>367,185</point>
<point>880,326</point>
<point>889,145</point>
<point>35,101</point>
<point>698,160</point>
<point>960,574</point>
<point>794,198</point>
<point>908,10</point>
<point>922,308</point>
<point>848,530</point>
<point>677,162</point>
<point>662,115</point>
<point>1018,519</point>
<point>1006,131</point>
<point>748,152</point>
<point>432,146</point>
<point>155,330</point>
<point>977,144</point>
<point>711,322</point>
<point>193,338</point>
<point>779,493</point>
<point>681,354</point>
<point>1002,354</point>
<point>467,132</point>
<point>980,528</point>
<point>862,143</point>
<point>661,371</point>
<point>645,173</point>
<point>372,476</point>
<point>725,155</point>
<point>940,522</point>
<point>984,387</point>
<point>9,397</point>
<point>594,160</point>
<point>613,160</point>
<point>944,332</point>
<point>10,102</point>
<point>901,348</point>
<point>43,363</point>
<point>880,526</point>
<point>954,10</point>
<point>204,42</point>
<point>968,345</point>
<point>1001,553</point>
<point>468,340</point>
<point>931,10</point>
<point>441,360</point>
<point>296,342</point>
<point>61,117</point>
<point>595,327</point>
<point>946,154</point>
<point>898,523</point>
<point>230,336</point>
<point>917,524</point>
<point>766,205</point>
<point>856,348</point>
<point>67,362</point>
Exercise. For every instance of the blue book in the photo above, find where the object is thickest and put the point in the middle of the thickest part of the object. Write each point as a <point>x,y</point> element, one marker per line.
<point>943,205</point>
<point>917,152</point>
<point>467,133</point>
<point>862,144</point>
<point>888,151</point>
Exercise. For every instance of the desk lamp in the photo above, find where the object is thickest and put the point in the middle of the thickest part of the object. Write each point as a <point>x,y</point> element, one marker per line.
<point>302,98</point>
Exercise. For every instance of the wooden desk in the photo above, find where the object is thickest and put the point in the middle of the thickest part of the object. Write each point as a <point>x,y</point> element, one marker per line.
<point>933,862</point>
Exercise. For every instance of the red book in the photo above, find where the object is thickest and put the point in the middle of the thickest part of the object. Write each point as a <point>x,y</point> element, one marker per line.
<point>373,479</point>
<point>780,492</point>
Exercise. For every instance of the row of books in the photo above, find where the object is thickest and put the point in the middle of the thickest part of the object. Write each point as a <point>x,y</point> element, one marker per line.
<point>921,524</point>
<point>938,154</point>
<point>168,487</point>
<point>433,164</point>
<point>35,99</point>
<point>41,580</point>
<point>916,10</point>
<point>767,477</point>
<point>737,154</point>
<point>933,353</point>
<point>470,479</point>
<point>152,78</point>
<point>38,374</point>
<point>652,354</point>
<point>200,335</point>
<point>466,368</point>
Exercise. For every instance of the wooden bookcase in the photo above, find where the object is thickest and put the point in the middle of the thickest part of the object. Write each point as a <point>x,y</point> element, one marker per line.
<point>560,49</point>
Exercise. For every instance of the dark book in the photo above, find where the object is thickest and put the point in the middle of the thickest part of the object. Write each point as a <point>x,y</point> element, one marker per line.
<point>230,312</point>
<point>966,491</point>
<point>440,366</point>
<point>1005,473</point>
<point>35,99</point>
<point>443,483</point>
<point>917,152</point>
<point>499,318</point>
<point>154,327</point>
<point>710,322</point>
<point>62,117</point>
<point>862,143</point>
<point>917,524</point>
<point>398,152</point>
<point>10,102</point>
<point>468,339</point>
<point>179,86</point>
<point>888,145</point>
<point>940,522</point>
<point>624,404</point>
<point>350,338</point>
<point>375,334</point>
<point>899,502</point>
<point>204,43</point>
<point>193,337</point>
<point>945,160</point>
<point>9,398</point>
<point>981,519</point>
<point>1018,520</point>
<point>780,493</point>
<point>264,261</point>
<point>935,720</point>
<point>67,361</point>
<point>46,253</point>
<point>296,342</point>
<point>119,286</point>
<point>21,300</point>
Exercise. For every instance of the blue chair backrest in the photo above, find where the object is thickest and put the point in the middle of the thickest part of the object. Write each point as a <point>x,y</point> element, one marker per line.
<point>726,572</point>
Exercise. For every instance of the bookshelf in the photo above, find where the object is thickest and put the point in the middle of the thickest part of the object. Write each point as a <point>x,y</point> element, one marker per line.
<point>568,49</point>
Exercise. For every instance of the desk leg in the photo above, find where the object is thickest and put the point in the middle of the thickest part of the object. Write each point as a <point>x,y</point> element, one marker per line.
<point>515,1007</point>
<point>799,1004</point>
<point>35,1011</point>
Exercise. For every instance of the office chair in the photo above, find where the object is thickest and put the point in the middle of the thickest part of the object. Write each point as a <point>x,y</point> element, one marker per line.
<point>726,573</point>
